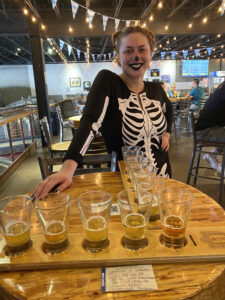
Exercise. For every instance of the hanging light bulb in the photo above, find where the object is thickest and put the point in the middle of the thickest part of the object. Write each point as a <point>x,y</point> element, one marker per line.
<point>25,11</point>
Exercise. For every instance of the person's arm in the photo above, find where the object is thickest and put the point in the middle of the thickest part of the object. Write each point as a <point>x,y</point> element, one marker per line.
<point>91,121</point>
<point>169,118</point>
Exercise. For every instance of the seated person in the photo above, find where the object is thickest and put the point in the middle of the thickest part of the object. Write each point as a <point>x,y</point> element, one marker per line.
<point>196,93</point>
<point>163,85</point>
<point>172,92</point>
<point>210,126</point>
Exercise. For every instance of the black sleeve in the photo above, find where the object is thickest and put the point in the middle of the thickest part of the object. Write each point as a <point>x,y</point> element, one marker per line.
<point>93,115</point>
<point>169,111</point>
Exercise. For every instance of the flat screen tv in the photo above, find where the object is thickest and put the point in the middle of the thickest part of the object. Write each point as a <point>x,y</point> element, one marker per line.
<point>155,72</point>
<point>195,68</point>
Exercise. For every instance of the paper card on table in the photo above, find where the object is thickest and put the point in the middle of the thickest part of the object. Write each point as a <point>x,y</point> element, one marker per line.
<point>128,278</point>
<point>115,209</point>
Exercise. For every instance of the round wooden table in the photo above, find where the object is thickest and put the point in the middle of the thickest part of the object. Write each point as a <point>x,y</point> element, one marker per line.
<point>75,121</point>
<point>175,281</point>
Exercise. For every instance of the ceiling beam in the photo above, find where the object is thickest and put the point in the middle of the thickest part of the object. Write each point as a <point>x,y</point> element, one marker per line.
<point>177,9</point>
<point>148,9</point>
<point>118,8</point>
<point>205,9</point>
<point>5,57</point>
<point>16,44</point>
<point>32,8</point>
<point>5,49</point>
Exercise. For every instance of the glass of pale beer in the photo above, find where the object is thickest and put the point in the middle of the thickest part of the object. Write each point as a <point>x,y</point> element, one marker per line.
<point>174,207</point>
<point>53,215</point>
<point>15,216</point>
<point>135,212</point>
<point>95,209</point>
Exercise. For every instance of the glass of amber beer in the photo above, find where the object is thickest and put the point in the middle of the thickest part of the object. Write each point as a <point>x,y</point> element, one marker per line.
<point>53,215</point>
<point>15,216</point>
<point>95,209</point>
<point>135,212</point>
<point>174,208</point>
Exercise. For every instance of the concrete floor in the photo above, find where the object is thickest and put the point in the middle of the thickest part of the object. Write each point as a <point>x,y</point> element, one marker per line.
<point>28,175</point>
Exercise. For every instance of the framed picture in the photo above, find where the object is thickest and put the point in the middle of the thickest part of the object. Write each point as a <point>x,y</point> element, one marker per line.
<point>75,82</point>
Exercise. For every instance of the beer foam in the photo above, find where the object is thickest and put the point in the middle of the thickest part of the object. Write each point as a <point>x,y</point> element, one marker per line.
<point>19,223</point>
<point>55,222</point>
<point>96,218</point>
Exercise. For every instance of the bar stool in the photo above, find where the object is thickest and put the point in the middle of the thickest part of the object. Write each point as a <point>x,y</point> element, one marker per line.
<point>198,146</point>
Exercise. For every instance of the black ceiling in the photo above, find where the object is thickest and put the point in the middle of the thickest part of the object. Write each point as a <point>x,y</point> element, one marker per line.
<point>14,36</point>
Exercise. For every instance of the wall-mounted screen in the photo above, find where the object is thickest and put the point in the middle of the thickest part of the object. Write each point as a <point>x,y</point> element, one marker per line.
<point>195,68</point>
<point>155,72</point>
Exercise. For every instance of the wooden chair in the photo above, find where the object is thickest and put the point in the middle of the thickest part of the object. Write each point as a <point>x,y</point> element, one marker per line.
<point>199,147</point>
<point>93,163</point>
<point>53,148</point>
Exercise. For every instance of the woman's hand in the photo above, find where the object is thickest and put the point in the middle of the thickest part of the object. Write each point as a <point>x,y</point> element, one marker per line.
<point>60,181</point>
<point>165,141</point>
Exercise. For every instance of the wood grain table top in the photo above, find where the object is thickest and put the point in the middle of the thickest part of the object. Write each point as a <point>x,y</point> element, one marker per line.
<point>175,281</point>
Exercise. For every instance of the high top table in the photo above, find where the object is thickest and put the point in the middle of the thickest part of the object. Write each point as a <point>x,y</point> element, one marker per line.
<point>175,281</point>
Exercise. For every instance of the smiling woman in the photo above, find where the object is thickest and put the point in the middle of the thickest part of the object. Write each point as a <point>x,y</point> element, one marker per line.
<point>124,108</point>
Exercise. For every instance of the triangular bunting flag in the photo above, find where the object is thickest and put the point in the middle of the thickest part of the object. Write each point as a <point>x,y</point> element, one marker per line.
<point>127,23</point>
<point>85,55</point>
<point>54,2</point>
<point>162,54</point>
<point>91,14</point>
<point>223,7</point>
<point>117,21</point>
<point>69,49</point>
<point>197,52</point>
<point>209,50</point>
<point>185,52</point>
<point>105,19</point>
<point>93,57</point>
<point>110,56</point>
<point>173,54</point>
<point>136,22</point>
<point>104,55</point>
<point>75,6</point>
<point>61,44</point>
<point>78,53</point>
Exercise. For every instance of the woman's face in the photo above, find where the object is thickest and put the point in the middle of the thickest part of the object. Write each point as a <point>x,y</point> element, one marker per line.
<point>134,55</point>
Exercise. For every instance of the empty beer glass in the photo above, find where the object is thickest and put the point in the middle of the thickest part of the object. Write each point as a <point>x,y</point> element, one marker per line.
<point>53,215</point>
<point>15,216</point>
<point>174,208</point>
<point>95,209</point>
<point>135,211</point>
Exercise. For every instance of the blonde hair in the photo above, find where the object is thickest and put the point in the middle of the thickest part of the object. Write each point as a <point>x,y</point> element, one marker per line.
<point>118,35</point>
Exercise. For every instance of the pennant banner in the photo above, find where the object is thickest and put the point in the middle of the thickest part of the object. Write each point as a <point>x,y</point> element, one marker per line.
<point>162,54</point>
<point>85,55</point>
<point>209,50</point>
<point>78,53</point>
<point>127,23</point>
<point>91,14</point>
<point>117,21</point>
<point>223,7</point>
<point>93,57</point>
<point>197,52</point>
<point>136,22</point>
<point>173,54</point>
<point>185,53</point>
<point>54,2</point>
<point>75,6</point>
<point>61,44</point>
<point>104,55</point>
<point>69,49</point>
<point>105,19</point>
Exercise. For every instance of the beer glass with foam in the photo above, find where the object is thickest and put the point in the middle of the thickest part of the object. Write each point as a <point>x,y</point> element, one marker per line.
<point>15,216</point>
<point>174,208</point>
<point>95,209</point>
<point>135,212</point>
<point>53,215</point>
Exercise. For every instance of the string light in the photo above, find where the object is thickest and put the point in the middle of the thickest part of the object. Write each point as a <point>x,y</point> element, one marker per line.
<point>190,25</point>
<point>160,5</point>
<point>205,20</point>
<point>90,26</point>
<point>218,35</point>
<point>34,19</point>
<point>151,18</point>
<point>175,38</point>
<point>166,27</point>
<point>25,11</point>
<point>70,29</point>
<point>43,27</point>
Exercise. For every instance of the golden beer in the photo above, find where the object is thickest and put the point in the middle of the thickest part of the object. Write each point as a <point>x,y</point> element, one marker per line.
<point>55,232</point>
<point>173,231</point>
<point>17,236</point>
<point>96,232</point>
<point>135,227</point>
